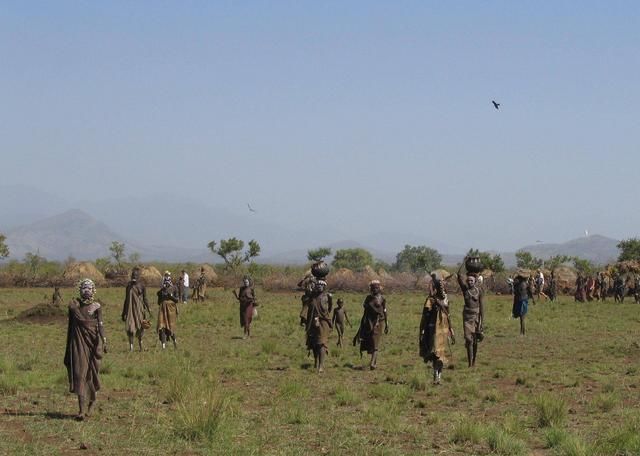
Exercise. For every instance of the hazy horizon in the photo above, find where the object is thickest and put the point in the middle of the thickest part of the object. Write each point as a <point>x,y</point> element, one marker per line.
<point>364,118</point>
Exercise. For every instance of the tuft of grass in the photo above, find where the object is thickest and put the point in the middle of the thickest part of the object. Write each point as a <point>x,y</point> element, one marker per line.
<point>345,397</point>
<point>293,390</point>
<point>7,387</point>
<point>417,383</point>
<point>200,418</point>
<point>297,415</point>
<point>605,402</point>
<point>269,346</point>
<point>624,440</point>
<point>551,411</point>
<point>466,431</point>
<point>501,442</point>
<point>555,437</point>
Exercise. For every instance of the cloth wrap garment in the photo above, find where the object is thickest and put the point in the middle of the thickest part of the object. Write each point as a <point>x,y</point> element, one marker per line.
<point>520,300</point>
<point>247,299</point>
<point>372,323</point>
<point>168,311</point>
<point>84,349</point>
<point>471,312</point>
<point>318,325</point>
<point>434,330</point>
<point>135,304</point>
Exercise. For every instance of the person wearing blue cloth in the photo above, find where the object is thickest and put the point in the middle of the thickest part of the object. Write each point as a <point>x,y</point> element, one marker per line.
<point>520,301</point>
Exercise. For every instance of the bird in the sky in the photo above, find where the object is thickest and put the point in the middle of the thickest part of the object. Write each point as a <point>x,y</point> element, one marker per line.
<point>250,208</point>
<point>495,105</point>
<point>539,241</point>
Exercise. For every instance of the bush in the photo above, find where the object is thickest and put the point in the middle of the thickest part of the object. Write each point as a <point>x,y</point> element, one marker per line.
<point>551,411</point>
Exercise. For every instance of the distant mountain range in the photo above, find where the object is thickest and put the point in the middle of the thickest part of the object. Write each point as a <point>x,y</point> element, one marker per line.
<point>169,228</point>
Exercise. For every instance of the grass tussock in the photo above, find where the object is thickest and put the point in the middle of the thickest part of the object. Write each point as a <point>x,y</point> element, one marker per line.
<point>503,443</point>
<point>551,411</point>
<point>467,431</point>
<point>201,417</point>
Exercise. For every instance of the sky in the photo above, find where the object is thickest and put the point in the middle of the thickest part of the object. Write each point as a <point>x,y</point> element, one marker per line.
<point>370,116</point>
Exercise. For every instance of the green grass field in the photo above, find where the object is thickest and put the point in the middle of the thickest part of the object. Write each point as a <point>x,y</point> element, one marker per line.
<point>570,387</point>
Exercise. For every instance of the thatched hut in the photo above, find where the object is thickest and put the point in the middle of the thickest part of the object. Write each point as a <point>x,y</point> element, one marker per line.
<point>82,270</point>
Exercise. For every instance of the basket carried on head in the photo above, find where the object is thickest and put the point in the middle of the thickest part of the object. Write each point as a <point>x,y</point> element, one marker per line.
<point>474,265</point>
<point>320,269</point>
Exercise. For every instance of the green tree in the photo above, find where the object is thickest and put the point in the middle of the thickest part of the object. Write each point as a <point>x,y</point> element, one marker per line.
<point>103,264</point>
<point>318,254</point>
<point>526,260</point>
<point>34,261</point>
<point>230,250</point>
<point>354,259</point>
<point>555,261</point>
<point>134,258</point>
<point>4,249</point>
<point>418,258</point>
<point>629,249</point>
<point>584,266</point>
<point>490,261</point>
<point>117,252</point>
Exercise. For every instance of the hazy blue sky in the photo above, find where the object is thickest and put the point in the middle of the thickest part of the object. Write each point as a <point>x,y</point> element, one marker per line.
<point>375,116</point>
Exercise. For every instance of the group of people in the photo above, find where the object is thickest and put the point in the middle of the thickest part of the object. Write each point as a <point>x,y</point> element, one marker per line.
<point>597,288</point>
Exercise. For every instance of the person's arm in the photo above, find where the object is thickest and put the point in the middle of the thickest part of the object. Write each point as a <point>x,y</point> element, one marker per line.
<point>103,337</point>
<point>346,318</point>
<point>386,316</point>
<point>144,299</point>
<point>481,302</point>
<point>124,305</point>
<point>334,317</point>
<point>459,277</point>
<point>330,298</point>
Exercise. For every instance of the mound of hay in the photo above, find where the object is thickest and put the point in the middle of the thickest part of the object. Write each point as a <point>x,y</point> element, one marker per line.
<point>44,313</point>
<point>342,274</point>
<point>150,276</point>
<point>209,273</point>
<point>565,278</point>
<point>83,270</point>
<point>624,267</point>
<point>369,273</point>
<point>384,275</point>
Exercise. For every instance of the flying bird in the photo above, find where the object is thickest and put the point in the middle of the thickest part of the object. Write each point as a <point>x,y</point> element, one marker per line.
<point>495,105</point>
<point>250,208</point>
<point>539,242</point>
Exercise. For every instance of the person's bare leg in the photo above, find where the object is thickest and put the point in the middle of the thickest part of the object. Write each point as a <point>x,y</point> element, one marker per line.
<point>130,335</point>
<point>90,408</point>
<point>374,360</point>
<point>475,353</point>
<point>81,407</point>
<point>522,326</point>
<point>469,354</point>
<point>163,338</point>
<point>321,357</point>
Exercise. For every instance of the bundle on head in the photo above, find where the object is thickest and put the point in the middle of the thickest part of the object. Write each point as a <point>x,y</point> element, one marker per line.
<point>320,269</point>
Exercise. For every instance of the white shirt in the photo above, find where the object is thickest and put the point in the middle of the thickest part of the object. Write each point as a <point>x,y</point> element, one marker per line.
<point>185,279</point>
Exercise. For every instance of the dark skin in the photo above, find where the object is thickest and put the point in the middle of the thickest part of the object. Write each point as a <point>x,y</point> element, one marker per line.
<point>337,322</point>
<point>471,287</point>
<point>86,295</point>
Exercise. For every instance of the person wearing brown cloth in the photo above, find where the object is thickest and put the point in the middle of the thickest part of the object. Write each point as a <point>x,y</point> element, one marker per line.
<point>338,320</point>
<point>86,344</point>
<point>201,287</point>
<point>318,323</point>
<point>246,296</point>
<point>371,325</point>
<point>435,327</point>
<point>167,312</point>
<point>135,311</point>
<point>472,314</point>
<point>56,299</point>
<point>307,285</point>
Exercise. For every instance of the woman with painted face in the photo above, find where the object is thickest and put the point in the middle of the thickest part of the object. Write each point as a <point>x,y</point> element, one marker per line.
<point>472,313</point>
<point>168,311</point>
<point>373,323</point>
<point>246,296</point>
<point>86,343</point>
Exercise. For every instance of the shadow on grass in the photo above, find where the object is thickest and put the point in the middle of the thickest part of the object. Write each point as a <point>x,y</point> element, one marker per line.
<point>47,415</point>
